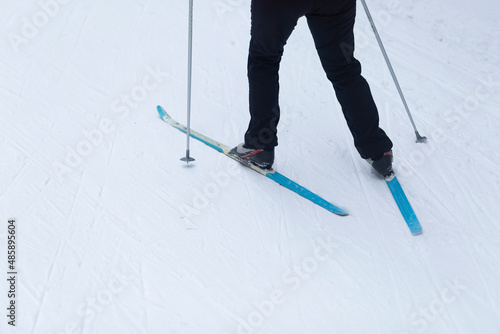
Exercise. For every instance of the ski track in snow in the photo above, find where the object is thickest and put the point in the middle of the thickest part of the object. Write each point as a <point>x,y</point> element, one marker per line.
<point>125,239</point>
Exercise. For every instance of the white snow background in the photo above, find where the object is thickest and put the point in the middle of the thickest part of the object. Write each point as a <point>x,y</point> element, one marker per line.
<point>116,235</point>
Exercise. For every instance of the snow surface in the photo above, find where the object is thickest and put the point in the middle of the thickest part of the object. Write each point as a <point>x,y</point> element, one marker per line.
<point>116,235</point>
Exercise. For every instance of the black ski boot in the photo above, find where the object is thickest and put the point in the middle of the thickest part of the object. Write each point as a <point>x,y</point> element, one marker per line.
<point>261,158</point>
<point>383,164</point>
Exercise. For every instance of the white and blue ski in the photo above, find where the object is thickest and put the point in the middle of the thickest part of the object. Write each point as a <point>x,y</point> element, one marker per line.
<point>404,205</point>
<point>270,173</point>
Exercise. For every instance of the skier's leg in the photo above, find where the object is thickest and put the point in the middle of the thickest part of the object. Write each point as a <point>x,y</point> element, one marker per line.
<point>332,30</point>
<point>272,23</point>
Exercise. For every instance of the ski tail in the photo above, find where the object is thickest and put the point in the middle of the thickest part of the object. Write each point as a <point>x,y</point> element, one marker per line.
<point>404,205</point>
<point>286,182</point>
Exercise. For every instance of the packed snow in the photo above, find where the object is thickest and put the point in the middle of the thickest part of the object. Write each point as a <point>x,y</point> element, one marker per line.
<point>114,234</point>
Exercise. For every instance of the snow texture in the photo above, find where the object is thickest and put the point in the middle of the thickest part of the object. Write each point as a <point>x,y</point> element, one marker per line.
<point>116,235</point>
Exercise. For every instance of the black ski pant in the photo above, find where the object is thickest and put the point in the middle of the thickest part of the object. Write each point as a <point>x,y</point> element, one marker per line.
<point>331,23</point>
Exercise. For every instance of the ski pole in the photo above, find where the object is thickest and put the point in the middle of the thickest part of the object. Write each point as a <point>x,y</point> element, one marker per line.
<point>187,158</point>
<point>420,139</point>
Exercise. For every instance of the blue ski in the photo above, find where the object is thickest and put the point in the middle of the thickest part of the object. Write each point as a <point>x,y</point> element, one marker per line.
<point>270,173</point>
<point>404,205</point>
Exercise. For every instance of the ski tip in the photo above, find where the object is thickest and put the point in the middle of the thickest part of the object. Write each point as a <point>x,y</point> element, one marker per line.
<point>162,112</point>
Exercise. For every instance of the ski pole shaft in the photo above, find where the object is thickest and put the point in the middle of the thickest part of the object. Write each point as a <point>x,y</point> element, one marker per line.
<point>420,139</point>
<point>187,158</point>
